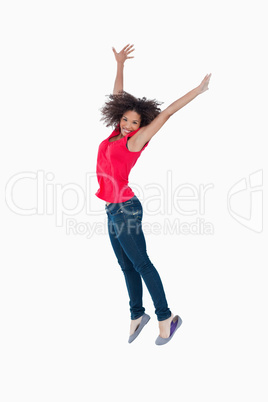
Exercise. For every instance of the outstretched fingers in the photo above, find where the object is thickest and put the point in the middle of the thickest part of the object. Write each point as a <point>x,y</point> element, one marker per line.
<point>127,47</point>
<point>204,84</point>
<point>124,54</point>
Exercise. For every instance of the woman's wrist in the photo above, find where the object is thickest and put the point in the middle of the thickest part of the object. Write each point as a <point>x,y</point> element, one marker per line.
<point>197,91</point>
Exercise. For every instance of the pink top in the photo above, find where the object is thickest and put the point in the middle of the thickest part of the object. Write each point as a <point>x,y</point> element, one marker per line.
<point>114,163</point>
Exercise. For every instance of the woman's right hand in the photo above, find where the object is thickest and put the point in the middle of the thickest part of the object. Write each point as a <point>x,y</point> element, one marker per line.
<point>122,56</point>
<point>204,84</point>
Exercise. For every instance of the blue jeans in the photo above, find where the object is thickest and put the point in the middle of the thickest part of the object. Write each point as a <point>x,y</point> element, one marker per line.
<point>128,242</point>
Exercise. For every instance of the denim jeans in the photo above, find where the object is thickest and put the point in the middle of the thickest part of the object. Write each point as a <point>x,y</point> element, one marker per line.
<point>128,242</point>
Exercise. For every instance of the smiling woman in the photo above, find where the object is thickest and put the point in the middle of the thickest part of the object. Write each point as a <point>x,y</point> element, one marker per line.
<point>130,121</point>
<point>121,102</point>
<point>130,113</point>
<point>135,122</point>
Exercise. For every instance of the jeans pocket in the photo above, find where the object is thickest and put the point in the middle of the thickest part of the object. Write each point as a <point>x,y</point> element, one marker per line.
<point>137,212</point>
<point>116,211</point>
<point>121,208</point>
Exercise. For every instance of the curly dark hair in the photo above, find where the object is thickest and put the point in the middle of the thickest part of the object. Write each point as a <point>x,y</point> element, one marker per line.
<point>116,105</point>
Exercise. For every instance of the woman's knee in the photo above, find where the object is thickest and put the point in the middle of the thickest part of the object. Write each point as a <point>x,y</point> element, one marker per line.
<point>144,266</point>
<point>126,265</point>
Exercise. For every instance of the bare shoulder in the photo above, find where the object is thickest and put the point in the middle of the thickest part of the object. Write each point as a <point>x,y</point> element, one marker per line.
<point>146,133</point>
<point>137,141</point>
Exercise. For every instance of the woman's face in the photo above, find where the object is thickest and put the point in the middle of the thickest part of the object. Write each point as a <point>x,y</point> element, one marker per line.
<point>129,122</point>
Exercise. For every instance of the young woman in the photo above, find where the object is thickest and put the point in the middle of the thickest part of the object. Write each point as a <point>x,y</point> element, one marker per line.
<point>135,122</point>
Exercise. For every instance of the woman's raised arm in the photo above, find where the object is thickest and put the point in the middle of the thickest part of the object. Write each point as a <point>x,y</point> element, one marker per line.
<point>147,132</point>
<point>120,58</point>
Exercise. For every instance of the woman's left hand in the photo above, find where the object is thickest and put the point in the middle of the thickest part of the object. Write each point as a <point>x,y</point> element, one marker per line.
<point>122,56</point>
<point>204,84</point>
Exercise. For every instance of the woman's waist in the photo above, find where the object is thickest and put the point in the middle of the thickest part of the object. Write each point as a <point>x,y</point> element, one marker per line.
<point>131,200</point>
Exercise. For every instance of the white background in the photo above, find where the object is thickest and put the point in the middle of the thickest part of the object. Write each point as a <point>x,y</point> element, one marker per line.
<point>64,305</point>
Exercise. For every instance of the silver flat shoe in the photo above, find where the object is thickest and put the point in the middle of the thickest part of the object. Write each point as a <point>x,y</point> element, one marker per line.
<point>174,325</point>
<point>144,320</point>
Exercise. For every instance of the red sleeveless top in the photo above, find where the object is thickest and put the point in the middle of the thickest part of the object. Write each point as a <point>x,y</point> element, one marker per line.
<point>114,163</point>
